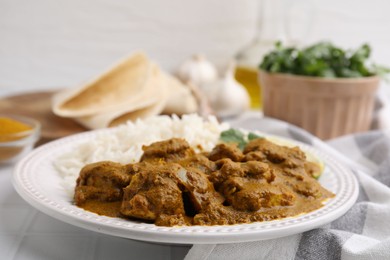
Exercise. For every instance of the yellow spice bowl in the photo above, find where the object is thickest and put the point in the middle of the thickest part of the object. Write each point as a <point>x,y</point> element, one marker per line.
<point>13,146</point>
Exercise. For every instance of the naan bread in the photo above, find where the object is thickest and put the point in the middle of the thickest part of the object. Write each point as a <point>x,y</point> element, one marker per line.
<point>134,88</point>
<point>153,105</point>
<point>123,84</point>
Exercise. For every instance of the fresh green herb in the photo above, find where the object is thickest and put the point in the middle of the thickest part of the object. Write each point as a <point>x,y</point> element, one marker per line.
<point>322,60</point>
<point>233,136</point>
<point>236,136</point>
<point>252,136</point>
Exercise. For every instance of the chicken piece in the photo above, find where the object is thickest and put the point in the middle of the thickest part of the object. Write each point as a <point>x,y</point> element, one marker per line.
<point>298,174</point>
<point>224,150</point>
<point>252,169</point>
<point>255,156</point>
<point>198,189</point>
<point>307,189</point>
<point>249,186</point>
<point>102,181</point>
<point>154,192</point>
<point>254,196</point>
<point>200,162</point>
<point>290,157</point>
<point>170,150</point>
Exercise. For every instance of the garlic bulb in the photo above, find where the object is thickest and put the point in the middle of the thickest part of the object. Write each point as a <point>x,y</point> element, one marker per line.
<point>228,97</point>
<point>197,70</point>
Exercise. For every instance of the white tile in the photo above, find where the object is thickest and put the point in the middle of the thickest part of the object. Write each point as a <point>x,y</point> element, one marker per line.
<point>7,245</point>
<point>14,218</point>
<point>119,248</point>
<point>47,224</point>
<point>52,247</point>
<point>7,193</point>
<point>179,252</point>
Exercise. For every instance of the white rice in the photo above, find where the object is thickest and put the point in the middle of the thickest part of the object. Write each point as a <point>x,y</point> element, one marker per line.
<point>124,143</point>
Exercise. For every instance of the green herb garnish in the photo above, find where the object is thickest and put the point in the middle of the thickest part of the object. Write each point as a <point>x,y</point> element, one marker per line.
<point>322,60</point>
<point>236,136</point>
<point>252,136</point>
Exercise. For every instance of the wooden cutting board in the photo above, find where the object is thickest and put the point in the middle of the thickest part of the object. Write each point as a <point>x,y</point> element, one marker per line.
<point>37,105</point>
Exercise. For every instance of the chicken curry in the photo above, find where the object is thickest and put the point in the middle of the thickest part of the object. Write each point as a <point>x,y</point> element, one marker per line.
<point>172,185</point>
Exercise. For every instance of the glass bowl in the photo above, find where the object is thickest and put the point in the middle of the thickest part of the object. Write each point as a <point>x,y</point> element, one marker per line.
<point>14,146</point>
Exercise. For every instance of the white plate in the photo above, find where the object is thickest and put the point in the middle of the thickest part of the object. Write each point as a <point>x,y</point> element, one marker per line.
<point>37,181</point>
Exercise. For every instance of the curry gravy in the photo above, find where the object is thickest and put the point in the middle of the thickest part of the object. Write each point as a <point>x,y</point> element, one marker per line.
<point>174,186</point>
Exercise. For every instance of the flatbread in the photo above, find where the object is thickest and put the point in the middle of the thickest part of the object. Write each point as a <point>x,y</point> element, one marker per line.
<point>134,88</point>
<point>149,111</point>
<point>147,106</point>
<point>122,84</point>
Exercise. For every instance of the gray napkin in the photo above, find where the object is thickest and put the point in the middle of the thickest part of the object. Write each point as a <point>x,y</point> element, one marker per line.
<point>362,233</point>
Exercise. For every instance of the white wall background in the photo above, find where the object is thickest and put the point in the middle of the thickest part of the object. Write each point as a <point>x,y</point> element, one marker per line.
<point>56,43</point>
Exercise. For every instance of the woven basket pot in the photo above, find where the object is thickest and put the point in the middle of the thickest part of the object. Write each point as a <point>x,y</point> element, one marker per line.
<point>325,107</point>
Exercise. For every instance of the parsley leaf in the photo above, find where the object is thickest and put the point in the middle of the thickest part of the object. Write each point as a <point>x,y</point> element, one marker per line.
<point>252,136</point>
<point>236,136</point>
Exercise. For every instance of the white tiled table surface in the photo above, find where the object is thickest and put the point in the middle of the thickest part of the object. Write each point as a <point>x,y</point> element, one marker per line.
<point>26,233</point>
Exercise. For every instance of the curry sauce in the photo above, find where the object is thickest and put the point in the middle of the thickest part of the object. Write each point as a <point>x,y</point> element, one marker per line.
<point>172,185</point>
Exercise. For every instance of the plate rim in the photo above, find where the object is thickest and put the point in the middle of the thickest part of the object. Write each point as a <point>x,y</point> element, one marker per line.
<point>173,235</point>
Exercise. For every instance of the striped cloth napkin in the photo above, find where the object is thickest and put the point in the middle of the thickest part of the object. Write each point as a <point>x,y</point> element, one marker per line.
<point>362,233</point>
